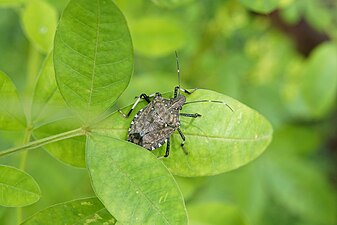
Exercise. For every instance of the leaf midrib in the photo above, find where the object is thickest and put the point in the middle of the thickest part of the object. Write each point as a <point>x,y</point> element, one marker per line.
<point>19,189</point>
<point>95,54</point>
<point>259,138</point>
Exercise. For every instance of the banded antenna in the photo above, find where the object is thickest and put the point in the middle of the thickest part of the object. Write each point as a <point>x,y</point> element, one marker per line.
<point>214,101</point>
<point>178,71</point>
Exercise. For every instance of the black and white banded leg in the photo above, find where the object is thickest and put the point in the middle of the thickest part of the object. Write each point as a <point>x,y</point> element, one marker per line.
<point>142,96</point>
<point>177,88</point>
<point>168,146</point>
<point>183,142</point>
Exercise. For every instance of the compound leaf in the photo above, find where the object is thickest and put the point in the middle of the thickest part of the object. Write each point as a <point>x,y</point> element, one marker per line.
<point>17,187</point>
<point>80,211</point>
<point>93,56</point>
<point>11,112</point>
<point>219,141</point>
<point>126,175</point>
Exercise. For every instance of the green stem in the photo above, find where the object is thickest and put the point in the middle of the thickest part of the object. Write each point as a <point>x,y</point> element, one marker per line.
<point>26,139</point>
<point>44,141</point>
<point>33,67</point>
<point>22,165</point>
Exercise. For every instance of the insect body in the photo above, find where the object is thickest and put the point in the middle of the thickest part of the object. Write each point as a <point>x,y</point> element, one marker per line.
<point>153,125</point>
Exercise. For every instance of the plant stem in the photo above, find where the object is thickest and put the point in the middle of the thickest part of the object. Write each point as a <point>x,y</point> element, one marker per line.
<point>33,66</point>
<point>44,141</point>
<point>26,140</point>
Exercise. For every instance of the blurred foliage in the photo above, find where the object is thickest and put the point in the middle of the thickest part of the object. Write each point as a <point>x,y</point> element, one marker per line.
<point>277,56</point>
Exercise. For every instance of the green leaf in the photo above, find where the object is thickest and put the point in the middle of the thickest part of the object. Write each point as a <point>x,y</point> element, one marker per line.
<point>156,35</point>
<point>317,90</point>
<point>80,211</point>
<point>214,214</point>
<point>39,20</point>
<point>132,183</point>
<point>70,151</point>
<point>219,141</point>
<point>261,6</point>
<point>11,112</point>
<point>301,188</point>
<point>17,188</point>
<point>48,104</point>
<point>93,56</point>
<point>319,87</point>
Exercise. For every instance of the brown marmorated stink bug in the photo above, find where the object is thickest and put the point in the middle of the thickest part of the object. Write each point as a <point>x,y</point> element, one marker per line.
<point>153,125</point>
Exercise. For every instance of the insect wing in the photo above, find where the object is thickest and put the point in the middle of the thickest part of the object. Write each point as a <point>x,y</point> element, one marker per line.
<point>157,138</point>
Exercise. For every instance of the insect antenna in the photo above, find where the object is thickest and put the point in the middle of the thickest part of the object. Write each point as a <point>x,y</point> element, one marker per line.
<point>214,101</point>
<point>178,71</point>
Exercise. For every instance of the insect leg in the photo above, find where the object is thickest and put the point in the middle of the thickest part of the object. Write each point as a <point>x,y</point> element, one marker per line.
<point>194,115</point>
<point>167,147</point>
<point>142,96</point>
<point>182,143</point>
<point>146,97</point>
<point>177,88</point>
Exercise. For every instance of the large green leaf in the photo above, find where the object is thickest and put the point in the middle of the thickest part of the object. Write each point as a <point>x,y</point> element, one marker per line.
<point>39,20</point>
<point>261,6</point>
<point>219,141</point>
<point>93,56</point>
<point>133,185</point>
<point>11,112</point>
<point>17,187</point>
<point>80,211</point>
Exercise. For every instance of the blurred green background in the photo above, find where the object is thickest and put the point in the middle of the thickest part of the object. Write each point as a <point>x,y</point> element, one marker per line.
<point>277,56</point>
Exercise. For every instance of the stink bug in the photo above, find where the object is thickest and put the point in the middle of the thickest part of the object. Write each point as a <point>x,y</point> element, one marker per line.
<point>153,125</point>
